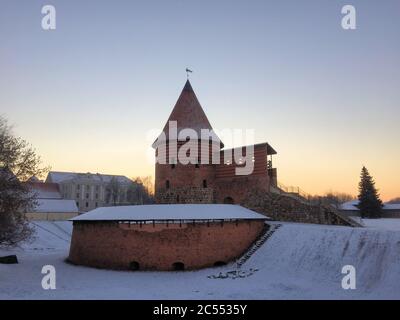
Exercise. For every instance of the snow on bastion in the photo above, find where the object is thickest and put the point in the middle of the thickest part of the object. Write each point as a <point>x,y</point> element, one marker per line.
<point>163,237</point>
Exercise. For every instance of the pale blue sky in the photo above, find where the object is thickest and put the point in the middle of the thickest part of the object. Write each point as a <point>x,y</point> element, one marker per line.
<point>326,99</point>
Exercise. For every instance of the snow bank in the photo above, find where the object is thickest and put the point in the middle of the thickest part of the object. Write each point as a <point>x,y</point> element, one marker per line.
<point>316,254</point>
<point>383,223</point>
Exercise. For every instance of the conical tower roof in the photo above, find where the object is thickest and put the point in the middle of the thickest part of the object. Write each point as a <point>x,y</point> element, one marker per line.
<point>188,114</point>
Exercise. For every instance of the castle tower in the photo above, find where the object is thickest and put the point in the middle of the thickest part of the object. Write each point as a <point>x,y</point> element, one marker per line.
<point>177,182</point>
<point>191,166</point>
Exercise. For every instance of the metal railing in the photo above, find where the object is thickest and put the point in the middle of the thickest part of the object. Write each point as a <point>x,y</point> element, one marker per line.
<point>293,189</point>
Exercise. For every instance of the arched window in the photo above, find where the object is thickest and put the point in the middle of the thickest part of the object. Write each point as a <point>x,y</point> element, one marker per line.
<point>134,266</point>
<point>229,200</point>
<point>167,184</point>
<point>178,266</point>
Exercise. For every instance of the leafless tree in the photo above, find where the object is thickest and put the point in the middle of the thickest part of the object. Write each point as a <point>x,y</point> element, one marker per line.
<point>395,200</point>
<point>334,199</point>
<point>113,191</point>
<point>18,162</point>
<point>141,191</point>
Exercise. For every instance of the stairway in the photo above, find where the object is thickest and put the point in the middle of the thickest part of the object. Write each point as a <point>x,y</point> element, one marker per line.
<point>351,222</point>
<point>266,234</point>
<point>61,229</point>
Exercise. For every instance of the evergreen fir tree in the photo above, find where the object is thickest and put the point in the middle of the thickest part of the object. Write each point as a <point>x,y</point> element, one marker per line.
<point>370,204</point>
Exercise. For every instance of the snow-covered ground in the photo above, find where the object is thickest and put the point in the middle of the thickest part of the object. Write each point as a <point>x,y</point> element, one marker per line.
<point>383,224</point>
<point>299,261</point>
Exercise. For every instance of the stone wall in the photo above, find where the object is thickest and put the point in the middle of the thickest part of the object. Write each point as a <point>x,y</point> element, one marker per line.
<point>48,216</point>
<point>159,246</point>
<point>285,208</point>
<point>185,195</point>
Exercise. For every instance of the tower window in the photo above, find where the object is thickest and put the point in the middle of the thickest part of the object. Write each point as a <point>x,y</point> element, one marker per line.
<point>204,183</point>
<point>167,184</point>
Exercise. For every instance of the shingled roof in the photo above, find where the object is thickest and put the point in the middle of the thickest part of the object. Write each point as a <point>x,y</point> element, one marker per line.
<point>188,113</point>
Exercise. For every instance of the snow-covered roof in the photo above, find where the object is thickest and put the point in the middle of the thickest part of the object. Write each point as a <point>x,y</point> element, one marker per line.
<point>351,205</point>
<point>45,190</point>
<point>170,212</point>
<point>391,206</point>
<point>56,205</point>
<point>57,177</point>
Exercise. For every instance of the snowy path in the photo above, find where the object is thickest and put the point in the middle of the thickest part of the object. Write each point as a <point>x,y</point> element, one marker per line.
<point>299,261</point>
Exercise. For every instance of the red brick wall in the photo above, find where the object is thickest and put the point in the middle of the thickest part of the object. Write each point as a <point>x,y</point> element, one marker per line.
<point>157,247</point>
<point>239,187</point>
<point>185,181</point>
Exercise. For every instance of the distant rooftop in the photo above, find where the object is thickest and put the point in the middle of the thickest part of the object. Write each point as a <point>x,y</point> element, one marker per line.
<point>45,190</point>
<point>57,177</point>
<point>56,206</point>
<point>352,205</point>
<point>171,212</point>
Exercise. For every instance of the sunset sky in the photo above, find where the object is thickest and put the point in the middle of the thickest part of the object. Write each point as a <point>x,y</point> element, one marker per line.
<point>327,99</point>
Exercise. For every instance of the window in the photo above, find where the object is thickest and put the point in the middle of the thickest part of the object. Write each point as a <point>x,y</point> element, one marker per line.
<point>167,184</point>
<point>97,195</point>
<point>97,188</point>
<point>87,195</point>
<point>178,266</point>
<point>77,195</point>
<point>177,198</point>
<point>78,187</point>
<point>173,166</point>
<point>204,183</point>
<point>96,204</point>
<point>134,265</point>
<point>229,200</point>
<point>77,204</point>
<point>87,204</point>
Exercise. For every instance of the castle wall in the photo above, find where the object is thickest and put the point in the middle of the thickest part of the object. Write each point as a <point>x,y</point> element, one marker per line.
<point>186,182</point>
<point>237,188</point>
<point>158,246</point>
<point>185,195</point>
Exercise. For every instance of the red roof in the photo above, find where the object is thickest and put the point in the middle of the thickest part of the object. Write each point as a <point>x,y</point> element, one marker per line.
<point>188,113</point>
